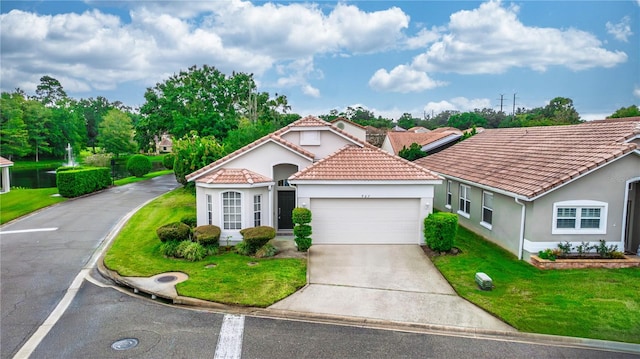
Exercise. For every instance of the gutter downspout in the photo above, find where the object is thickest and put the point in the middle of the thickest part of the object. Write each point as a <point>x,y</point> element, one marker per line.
<point>521,242</point>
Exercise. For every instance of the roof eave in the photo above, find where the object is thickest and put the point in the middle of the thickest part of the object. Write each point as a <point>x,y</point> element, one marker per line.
<point>234,185</point>
<point>366,182</point>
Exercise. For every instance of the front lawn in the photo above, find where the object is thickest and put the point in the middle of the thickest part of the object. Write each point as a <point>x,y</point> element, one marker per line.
<point>21,201</point>
<point>132,179</point>
<point>588,303</point>
<point>136,252</point>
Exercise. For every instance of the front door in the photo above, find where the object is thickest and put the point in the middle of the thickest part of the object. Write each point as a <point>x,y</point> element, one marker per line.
<point>286,203</point>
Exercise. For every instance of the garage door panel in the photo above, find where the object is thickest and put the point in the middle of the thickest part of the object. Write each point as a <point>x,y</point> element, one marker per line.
<point>365,221</point>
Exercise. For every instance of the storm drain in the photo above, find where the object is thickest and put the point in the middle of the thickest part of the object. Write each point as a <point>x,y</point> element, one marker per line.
<point>125,344</point>
<point>166,279</point>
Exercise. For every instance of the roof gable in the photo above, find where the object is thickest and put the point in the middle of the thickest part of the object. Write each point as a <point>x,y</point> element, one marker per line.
<point>531,161</point>
<point>5,162</point>
<point>233,176</point>
<point>353,163</point>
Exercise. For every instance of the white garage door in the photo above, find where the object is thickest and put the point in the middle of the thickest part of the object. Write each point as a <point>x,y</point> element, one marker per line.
<point>365,221</point>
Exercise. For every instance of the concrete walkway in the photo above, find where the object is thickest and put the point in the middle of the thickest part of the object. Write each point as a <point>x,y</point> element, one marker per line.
<point>395,283</point>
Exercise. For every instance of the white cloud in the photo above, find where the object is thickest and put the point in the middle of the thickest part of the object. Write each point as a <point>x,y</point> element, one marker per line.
<point>594,116</point>
<point>95,50</point>
<point>424,38</point>
<point>636,90</point>
<point>402,79</point>
<point>297,73</point>
<point>622,30</point>
<point>491,40</point>
<point>461,104</point>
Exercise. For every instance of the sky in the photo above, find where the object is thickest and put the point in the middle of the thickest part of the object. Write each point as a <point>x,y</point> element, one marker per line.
<point>390,57</point>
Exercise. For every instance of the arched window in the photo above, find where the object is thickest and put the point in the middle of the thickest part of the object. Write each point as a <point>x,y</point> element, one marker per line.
<point>232,210</point>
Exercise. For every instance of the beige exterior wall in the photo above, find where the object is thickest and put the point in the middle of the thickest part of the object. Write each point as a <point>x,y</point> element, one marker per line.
<point>355,131</point>
<point>606,184</point>
<point>505,226</point>
<point>329,143</point>
<point>263,158</point>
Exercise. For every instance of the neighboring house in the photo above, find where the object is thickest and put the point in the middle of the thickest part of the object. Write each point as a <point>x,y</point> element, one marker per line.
<point>527,189</point>
<point>419,129</point>
<point>5,181</point>
<point>165,144</point>
<point>352,128</point>
<point>430,142</point>
<point>356,192</point>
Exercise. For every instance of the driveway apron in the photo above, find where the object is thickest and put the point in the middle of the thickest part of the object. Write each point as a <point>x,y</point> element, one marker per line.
<point>38,266</point>
<point>395,283</point>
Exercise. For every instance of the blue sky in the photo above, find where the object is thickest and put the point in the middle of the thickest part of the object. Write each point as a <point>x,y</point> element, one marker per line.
<point>390,57</point>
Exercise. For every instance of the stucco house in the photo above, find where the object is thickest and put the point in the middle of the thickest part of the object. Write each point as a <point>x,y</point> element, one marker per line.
<point>430,142</point>
<point>5,179</point>
<point>356,192</point>
<point>350,127</point>
<point>527,189</point>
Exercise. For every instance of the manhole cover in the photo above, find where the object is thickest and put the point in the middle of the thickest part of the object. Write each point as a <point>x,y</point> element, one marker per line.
<point>125,344</point>
<point>212,265</point>
<point>166,279</point>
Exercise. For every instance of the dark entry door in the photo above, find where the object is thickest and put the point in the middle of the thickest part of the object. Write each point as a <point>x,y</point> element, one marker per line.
<point>286,203</point>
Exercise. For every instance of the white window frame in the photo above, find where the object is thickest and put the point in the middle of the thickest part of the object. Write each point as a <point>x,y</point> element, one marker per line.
<point>466,190</point>
<point>257,210</point>
<point>449,197</point>
<point>310,138</point>
<point>209,209</point>
<point>579,205</point>
<point>228,224</point>
<point>484,223</point>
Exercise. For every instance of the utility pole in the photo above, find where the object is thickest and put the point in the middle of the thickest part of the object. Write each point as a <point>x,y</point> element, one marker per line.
<point>514,104</point>
<point>501,101</point>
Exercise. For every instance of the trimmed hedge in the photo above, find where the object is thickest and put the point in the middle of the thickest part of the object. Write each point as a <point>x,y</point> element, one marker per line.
<point>302,230</point>
<point>207,234</point>
<point>139,165</point>
<point>256,237</point>
<point>168,160</point>
<point>440,230</point>
<point>191,221</point>
<point>176,231</point>
<point>76,182</point>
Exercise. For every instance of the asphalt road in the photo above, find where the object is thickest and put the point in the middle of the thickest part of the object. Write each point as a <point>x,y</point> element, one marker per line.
<point>100,316</point>
<point>42,254</point>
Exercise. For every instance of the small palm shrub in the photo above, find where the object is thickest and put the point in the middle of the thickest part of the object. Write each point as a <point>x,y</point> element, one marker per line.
<point>176,231</point>
<point>139,165</point>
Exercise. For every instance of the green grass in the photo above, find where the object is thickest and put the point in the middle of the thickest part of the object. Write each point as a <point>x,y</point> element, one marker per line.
<point>132,179</point>
<point>587,303</point>
<point>43,163</point>
<point>136,252</point>
<point>19,202</point>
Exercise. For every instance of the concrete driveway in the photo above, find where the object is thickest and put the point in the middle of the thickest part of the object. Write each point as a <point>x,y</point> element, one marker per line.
<point>395,283</point>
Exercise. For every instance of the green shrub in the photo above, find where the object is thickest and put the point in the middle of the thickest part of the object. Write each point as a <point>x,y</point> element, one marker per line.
<point>302,231</point>
<point>268,250</point>
<point>190,220</point>
<point>303,244</point>
<point>256,237</point>
<point>139,165</point>
<point>170,248</point>
<point>193,251</point>
<point>604,251</point>
<point>440,230</point>
<point>74,182</point>
<point>242,248</point>
<point>98,160</point>
<point>180,248</point>
<point>301,215</point>
<point>176,231</point>
<point>212,250</point>
<point>207,234</point>
<point>168,160</point>
<point>548,254</point>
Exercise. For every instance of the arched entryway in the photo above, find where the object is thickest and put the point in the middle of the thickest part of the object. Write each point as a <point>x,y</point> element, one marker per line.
<point>632,217</point>
<point>284,197</point>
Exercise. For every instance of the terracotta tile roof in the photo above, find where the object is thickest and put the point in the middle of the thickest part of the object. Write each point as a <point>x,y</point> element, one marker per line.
<point>5,162</point>
<point>399,140</point>
<point>309,121</point>
<point>233,176</point>
<point>533,160</point>
<point>364,164</point>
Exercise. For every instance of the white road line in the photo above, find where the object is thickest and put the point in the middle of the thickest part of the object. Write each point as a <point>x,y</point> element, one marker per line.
<point>230,338</point>
<point>30,230</point>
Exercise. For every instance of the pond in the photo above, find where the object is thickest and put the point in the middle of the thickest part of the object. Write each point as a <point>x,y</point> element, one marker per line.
<point>46,177</point>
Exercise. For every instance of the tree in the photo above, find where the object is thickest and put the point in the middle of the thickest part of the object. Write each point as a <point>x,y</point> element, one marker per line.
<point>116,133</point>
<point>622,112</point>
<point>412,153</point>
<point>50,91</point>
<point>200,99</point>
<point>246,133</point>
<point>93,111</point>
<point>14,137</point>
<point>463,121</point>
<point>408,121</point>
<point>194,152</point>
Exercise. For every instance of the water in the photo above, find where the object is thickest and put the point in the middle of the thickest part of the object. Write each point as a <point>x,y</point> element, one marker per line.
<point>46,177</point>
